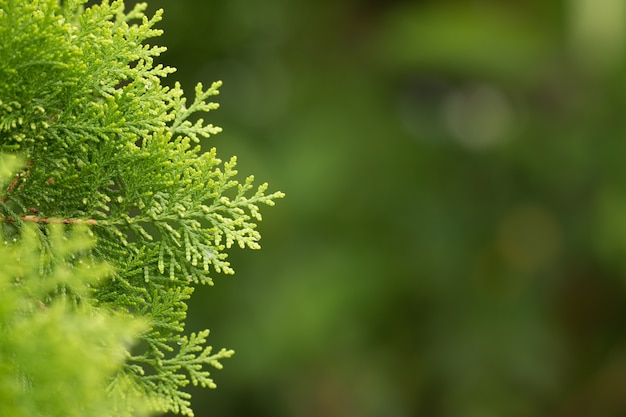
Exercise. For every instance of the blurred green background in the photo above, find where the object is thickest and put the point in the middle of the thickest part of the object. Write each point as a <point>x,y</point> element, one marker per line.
<point>453,241</point>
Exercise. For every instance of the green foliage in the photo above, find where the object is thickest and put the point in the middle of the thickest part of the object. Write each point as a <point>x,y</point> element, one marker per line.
<point>107,151</point>
<point>59,352</point>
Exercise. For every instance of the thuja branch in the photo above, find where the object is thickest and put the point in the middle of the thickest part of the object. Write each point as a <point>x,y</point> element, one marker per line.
<point>110,148</point>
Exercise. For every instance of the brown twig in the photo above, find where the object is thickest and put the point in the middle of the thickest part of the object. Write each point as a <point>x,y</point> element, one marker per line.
<point>49,220</point>
<point>17,178</point>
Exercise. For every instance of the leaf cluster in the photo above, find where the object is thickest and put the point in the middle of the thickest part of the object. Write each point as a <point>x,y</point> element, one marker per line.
<point>106,145</point>
<point>59,351</point>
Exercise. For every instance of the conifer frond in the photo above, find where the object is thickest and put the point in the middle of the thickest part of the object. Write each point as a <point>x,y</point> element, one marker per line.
<point>59,355</point>
<point>104,145</point>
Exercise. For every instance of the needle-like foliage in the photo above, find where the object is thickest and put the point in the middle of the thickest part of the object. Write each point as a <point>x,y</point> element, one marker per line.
<point>106,146</point>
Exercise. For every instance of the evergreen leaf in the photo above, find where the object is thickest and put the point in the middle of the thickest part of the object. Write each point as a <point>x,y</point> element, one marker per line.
<point>95,144</point>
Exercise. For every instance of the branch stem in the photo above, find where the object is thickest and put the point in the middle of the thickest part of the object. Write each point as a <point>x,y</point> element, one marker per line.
<point>48,220</point>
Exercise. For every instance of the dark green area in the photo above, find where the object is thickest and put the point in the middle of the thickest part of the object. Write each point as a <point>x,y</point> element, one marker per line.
<point>453,239</point>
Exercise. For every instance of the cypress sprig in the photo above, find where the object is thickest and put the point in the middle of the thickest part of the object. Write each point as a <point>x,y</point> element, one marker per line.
<point>104,145</point>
